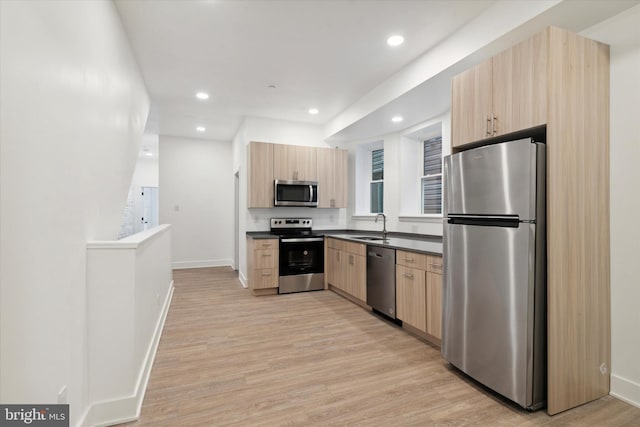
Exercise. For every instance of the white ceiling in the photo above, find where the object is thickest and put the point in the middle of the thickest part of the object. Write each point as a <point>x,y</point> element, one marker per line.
<point>323,54</point>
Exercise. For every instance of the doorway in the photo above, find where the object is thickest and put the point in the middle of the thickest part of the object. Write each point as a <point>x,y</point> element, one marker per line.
<point>149,216</point>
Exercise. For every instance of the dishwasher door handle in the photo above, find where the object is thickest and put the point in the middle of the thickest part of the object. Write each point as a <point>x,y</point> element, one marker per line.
<point>375,255</point>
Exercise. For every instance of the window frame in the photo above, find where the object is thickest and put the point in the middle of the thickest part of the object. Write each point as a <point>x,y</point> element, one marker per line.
<point>429,176</point>
<point>376,181</point>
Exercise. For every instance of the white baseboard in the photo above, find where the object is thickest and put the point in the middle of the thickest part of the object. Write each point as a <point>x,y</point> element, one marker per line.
<point>243,279</point>
<point>127,408</point>
<point>178,265</point>
<point>625,390</point>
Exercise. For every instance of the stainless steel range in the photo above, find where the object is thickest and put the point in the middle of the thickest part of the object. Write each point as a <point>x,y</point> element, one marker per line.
<point>301,255</point>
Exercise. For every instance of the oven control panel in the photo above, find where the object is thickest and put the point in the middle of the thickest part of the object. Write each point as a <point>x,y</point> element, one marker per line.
<point>291,223</point>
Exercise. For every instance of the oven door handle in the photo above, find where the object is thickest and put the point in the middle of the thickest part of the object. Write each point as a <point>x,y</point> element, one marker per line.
<point>303,240</point>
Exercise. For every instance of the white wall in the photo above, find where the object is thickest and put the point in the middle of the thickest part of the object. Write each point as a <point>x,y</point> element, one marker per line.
<point>396,169</point>
<point>278,132</point>
<point>622,33</point>
<point>73,108</point>
<point>239,148</point>
<point>132,278</point>
<point>625,234</point>
<point>147,173</point>
<point>196,197</point>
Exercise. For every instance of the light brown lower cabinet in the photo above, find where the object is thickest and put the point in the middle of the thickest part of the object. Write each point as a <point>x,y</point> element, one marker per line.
<point>419,292</point>
<point>418,283</point>
<point>357,276</point>
<point>434,304</point>
<point>262,263</point>
<point>346,267</point>
<point>411,291</point>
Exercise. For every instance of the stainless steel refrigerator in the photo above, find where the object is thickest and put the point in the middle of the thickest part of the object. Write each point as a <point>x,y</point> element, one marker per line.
<point>494,315</point>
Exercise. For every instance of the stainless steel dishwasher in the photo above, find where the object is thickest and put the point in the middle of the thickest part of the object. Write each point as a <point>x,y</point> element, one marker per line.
<point>381,280</point>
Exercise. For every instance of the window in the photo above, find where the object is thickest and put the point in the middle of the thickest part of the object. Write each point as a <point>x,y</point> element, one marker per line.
<point>432,176</point>
<point>377,180</point>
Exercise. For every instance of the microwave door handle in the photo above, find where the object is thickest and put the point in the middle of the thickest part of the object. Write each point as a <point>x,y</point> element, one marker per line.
<point>311,193</point>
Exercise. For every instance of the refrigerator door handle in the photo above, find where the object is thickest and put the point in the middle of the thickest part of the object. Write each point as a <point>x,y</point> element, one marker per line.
<point>485,220</point>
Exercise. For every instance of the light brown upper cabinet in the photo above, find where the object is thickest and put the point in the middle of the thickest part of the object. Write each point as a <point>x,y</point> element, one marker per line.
<point>267,162</point>
<point>471,104</point>
<point>520,86</point>
<point>260,175</point>
<point>561,80</point>
<point>294,162</point>
<point>503,94</point>
<point>332,177</point>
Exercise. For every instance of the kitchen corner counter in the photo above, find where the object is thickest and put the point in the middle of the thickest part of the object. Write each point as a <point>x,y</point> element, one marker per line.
<point>431,245</point>
<point>260,235</point>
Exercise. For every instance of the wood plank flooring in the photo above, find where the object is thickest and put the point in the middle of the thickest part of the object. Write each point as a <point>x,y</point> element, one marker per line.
<point>227,358</point>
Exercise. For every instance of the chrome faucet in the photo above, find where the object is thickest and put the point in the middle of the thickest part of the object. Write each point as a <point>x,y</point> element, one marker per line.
<point>384,224</point>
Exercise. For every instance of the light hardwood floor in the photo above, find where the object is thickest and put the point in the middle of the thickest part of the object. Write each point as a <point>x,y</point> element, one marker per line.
<point>229,358</point>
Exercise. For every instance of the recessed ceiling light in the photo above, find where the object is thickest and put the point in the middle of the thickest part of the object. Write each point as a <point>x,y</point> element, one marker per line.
<point>148,154</point>
<point>395,40</point>
<point>313,111</point>
<point>396,119</point>
<point>202,95</point>
<point>201,128</point>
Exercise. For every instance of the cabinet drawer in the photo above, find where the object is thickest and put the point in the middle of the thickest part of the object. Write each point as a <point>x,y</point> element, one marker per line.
<point>356,248</point>
<point>412,259</point>
<point>336,244</point>
<point>266,244</point>
<point>434,264</point>
<point>265,278</point>
<point>265,258</point>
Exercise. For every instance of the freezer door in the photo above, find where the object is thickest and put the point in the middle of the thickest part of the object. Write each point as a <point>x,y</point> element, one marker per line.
<point>495,179</point>
<point>488,305</point>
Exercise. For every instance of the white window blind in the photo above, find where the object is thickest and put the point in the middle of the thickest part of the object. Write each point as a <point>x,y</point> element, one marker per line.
<point>377,180</point>
<point>432,176</point>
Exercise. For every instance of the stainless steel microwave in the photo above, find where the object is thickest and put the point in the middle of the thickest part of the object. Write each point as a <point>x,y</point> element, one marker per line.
<point>296,193</point>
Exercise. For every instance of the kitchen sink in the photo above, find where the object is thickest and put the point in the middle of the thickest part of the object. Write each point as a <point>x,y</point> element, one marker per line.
<point>369,238</point>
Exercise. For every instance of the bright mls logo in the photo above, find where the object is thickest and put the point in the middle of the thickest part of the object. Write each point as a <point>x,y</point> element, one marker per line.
<point>35,415</point>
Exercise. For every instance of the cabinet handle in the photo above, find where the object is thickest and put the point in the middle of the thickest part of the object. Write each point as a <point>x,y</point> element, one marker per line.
<point>409,259</point>
<point>266,254</point>
<point>494,125</point>
<point>408,276</point>
<point>333,203</point>
<point>266,274</point>
<point>266,245</point>
<point>350,259</point>
<point>488,125</point>
<point>435,265</point>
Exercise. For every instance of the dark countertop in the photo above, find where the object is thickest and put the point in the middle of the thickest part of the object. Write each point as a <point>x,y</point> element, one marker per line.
<point>404,241</point>
<point>431,246</point>
<point>261,235</point>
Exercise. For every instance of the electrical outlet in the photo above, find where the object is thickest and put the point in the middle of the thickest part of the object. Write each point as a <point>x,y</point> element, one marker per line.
<point>62,395</point>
